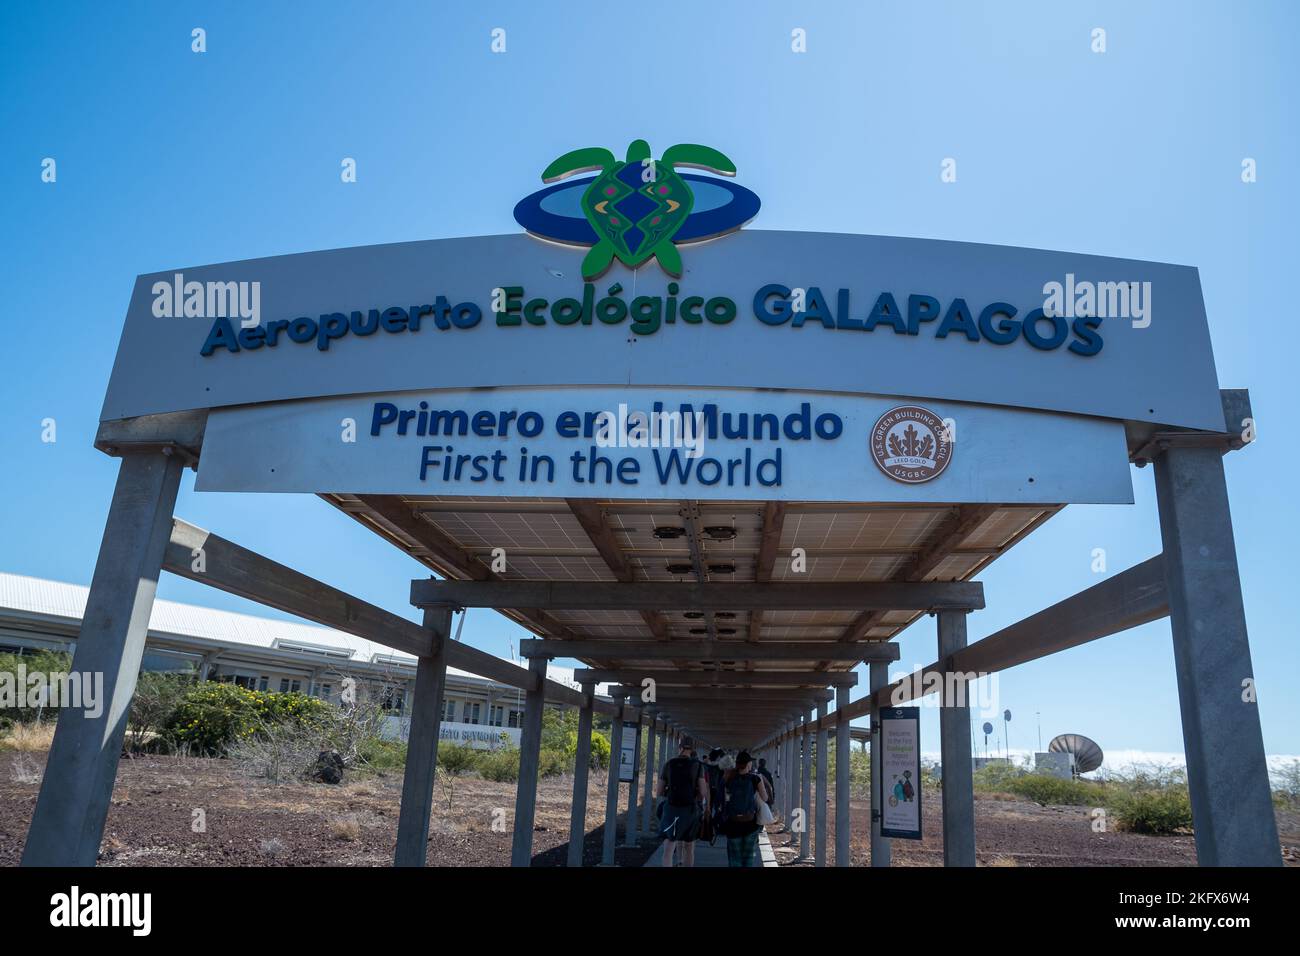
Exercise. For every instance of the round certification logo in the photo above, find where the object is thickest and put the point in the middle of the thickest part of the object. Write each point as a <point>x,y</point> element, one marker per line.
<point>911,444</point>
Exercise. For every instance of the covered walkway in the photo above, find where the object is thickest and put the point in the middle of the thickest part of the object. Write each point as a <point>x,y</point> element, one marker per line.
<point>739,623</point>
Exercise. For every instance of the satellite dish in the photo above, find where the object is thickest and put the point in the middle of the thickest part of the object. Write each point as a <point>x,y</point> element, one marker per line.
<point>1087,755</point>
<point>988,728</point>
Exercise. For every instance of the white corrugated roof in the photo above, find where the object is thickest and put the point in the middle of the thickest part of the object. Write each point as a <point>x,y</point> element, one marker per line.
<point>56,599</point>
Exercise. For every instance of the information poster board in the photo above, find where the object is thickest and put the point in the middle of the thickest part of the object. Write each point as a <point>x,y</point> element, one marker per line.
<point>900,772</point>
<point>627,754</point>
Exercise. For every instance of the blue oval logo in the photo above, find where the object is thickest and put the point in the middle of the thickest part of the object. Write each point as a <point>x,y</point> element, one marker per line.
<point>555,213</point>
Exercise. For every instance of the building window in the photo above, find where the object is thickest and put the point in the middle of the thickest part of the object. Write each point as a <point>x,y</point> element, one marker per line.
<point>290,685</point>
<point>325,692</point>
<point>471,713</point>
<point>515,716</point>
<point>263,682</point>
<point>392,698</point>
<point>449,711</point>
<point>239,680</point>
<point>496,715</point>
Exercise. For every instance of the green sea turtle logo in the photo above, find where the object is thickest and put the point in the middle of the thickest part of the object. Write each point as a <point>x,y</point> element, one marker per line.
<point>638,205</point>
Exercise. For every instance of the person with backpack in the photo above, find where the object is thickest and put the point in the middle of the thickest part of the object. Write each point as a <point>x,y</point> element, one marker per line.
<point>767,779</point>
<point>742,789</point>
<point>685,790</point>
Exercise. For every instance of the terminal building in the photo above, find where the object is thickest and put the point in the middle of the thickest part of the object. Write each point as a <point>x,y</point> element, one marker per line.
<point>270,655</point>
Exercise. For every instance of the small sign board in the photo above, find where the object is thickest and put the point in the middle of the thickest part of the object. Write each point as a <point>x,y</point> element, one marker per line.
<point>900,772</point>
<point>627,754</point>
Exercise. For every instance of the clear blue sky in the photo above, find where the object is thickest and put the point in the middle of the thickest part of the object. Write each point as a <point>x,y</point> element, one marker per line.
<point>167,158</point>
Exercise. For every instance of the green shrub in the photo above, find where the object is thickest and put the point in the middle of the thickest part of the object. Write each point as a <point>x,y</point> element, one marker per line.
<point>996,777</point>
<point>212,716</point>
<point>599,759</point>
<point>1286,785</point>
<point>501,766</point>
<point>374,753</point>
<point>456,759</point>
<point>301,709</point>
<point>599,751</point>
<point>560,730</point>
<point>859,771</point>
<point>552,763</point>
<point>1046,790</point>
<point>157,695</point>
<point>1158,812</point>
<point>39,662</point>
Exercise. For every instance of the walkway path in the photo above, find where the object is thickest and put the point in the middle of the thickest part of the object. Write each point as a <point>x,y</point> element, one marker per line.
<point>716,855</point>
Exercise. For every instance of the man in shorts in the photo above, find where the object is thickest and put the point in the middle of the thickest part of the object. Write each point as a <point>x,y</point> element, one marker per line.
<point>683,786</point>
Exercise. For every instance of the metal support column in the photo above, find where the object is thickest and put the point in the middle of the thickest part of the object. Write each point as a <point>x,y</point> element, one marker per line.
<point>954,745</point>
<point>1227,773</point>
<point>805,777</point>
<point>648,796</point>
<point>843,759</point>
<point>611,791</point>
<point>823,769</point>
<point>422,745</point>
<point>68,823</point>
<point>880,846</point>
<point>790,782</point>
<point>530,745</point>
<point>581,766</point>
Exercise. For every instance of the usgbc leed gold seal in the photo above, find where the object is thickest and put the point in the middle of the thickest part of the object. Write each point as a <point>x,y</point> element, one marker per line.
<point>911,444</point>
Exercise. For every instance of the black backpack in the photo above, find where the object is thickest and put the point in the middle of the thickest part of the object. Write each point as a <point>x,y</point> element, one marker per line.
<point>742,799</point>
<point>771,786</point>
<point>682,774</point>
<point>716,795</point>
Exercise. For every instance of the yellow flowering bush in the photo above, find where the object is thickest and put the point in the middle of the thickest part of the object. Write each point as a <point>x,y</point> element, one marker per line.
<point>214,715</point>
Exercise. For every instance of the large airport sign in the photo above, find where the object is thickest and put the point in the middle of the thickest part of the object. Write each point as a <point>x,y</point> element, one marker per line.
<point>923,319</point>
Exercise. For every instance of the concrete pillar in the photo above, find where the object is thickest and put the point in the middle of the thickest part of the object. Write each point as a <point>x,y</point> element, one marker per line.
<point>843,758</point>
<point>651,774</point>
<point>611,792</point>
<point>790,783</point>
<point>207,664</point>
<point>954,745</point>
<point>581,765</point>
<point>68,822</point>
<point>805,778</point>
<point>823,769</point>
<point>880,846</point>
<point>1227,775</point>
<point>631,826</point>
<point>422,746</point>
<point>664,755</point>
<point>782,776</point>
<point>530,746</point>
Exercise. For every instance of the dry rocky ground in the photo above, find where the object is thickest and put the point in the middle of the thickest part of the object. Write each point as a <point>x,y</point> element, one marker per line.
<point>1014,832</point>
<point>252,823</point>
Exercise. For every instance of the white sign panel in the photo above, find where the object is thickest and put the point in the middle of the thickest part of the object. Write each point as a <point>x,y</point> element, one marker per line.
<point>900,772</point>
<point>477,736</point>
<point>627,754</point>
<point>666,443</point>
